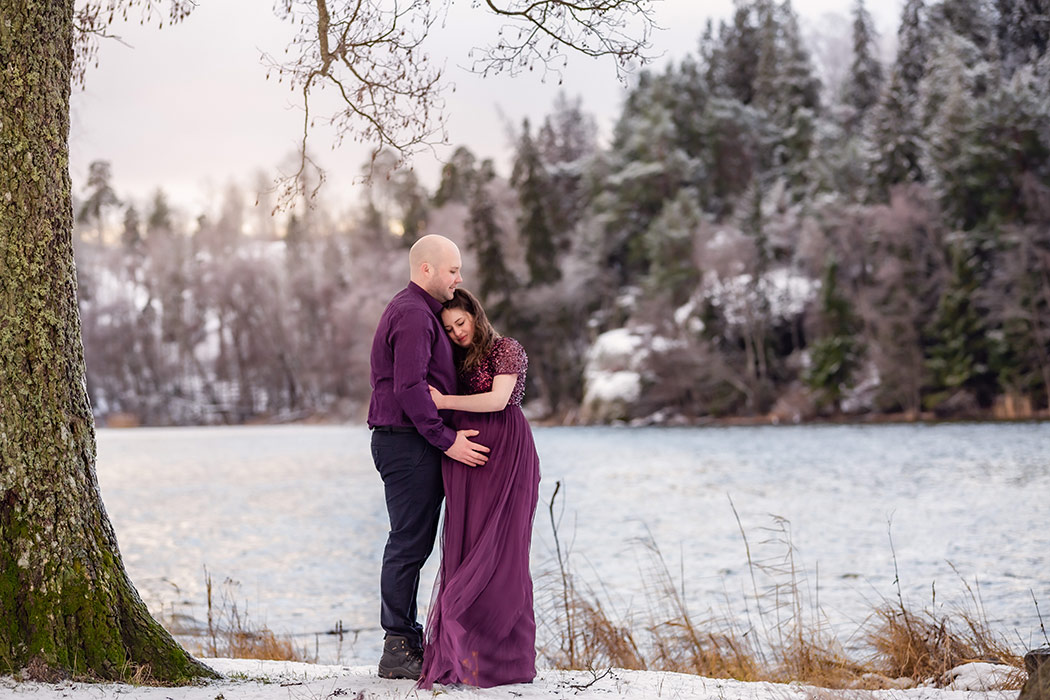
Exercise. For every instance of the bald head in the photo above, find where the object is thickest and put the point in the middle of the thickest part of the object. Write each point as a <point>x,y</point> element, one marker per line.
<point>435,264</point>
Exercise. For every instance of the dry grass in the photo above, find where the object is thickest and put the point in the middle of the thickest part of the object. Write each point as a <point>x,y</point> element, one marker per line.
<point>786,639</point>
<point>230,633</point>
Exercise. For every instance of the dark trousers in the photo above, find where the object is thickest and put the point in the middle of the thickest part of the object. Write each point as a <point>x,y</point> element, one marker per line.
<point>411,471</point>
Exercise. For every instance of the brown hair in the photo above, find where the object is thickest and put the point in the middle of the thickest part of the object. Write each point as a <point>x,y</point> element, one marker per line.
<point>484,334</point>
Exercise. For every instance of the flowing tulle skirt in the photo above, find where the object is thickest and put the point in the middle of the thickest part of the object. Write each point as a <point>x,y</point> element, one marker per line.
<point>481,630</point>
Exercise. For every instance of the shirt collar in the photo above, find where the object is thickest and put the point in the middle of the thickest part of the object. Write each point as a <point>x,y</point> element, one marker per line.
<point>433,303</point>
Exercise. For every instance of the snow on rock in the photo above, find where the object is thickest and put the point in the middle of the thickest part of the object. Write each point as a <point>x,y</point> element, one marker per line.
<point>786,293</point>
<point>861,395</point>
<point>272,680</point>
<point>612,374</point>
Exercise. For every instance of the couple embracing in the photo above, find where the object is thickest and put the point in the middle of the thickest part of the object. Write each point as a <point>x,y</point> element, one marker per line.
<point>447,424</point>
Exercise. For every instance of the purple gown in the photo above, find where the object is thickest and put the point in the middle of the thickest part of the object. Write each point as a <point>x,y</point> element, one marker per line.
<point>481,630</point>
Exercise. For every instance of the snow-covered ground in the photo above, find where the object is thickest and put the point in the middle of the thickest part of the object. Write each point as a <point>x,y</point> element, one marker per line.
<point>278,680</point>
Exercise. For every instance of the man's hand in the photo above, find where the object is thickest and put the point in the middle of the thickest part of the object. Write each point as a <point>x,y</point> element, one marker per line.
<point>463,450</point>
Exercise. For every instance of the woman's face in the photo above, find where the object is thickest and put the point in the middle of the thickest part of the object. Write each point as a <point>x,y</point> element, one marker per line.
<point>459,325</point>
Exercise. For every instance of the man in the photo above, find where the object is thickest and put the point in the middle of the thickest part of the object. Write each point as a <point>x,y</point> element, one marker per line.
<point>411,350</point>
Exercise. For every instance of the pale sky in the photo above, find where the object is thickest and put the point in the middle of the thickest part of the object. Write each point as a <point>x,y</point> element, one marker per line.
<point>188,108</point>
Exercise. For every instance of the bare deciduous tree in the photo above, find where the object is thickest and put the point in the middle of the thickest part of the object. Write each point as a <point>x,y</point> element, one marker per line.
<point>390,91</point>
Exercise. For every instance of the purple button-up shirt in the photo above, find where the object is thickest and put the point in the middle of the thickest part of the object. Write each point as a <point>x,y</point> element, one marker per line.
<point>409,351</point>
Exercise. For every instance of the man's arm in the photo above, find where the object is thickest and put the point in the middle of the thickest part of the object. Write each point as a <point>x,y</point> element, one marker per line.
<point>411,340</point>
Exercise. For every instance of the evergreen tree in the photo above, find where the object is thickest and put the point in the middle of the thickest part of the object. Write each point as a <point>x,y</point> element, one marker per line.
<point>912,48</point>
<point>1023,32</point>
<point>799,84</point>
<point>970,19</point>
<point>643,169</point>
<point>738,65</point>
<point>959,348</point>
<point>948,101</point>
<point>690,104</point>
<point>1006,144</point>
<point>669,240</point>
<point>412,201</point>
<point>457,178</point>
<point>766,88</point>
<point>530,179</point>
<point>131,235</point>
<point>100,198</point>
<point>896,134</point>
<point>864,82</point>
<point>834,355</point>
<point>496,283</point>
<point>160,219</point>
<point>1018,293</point>
<point>896,138</point>
<point>295,241</point>
<point>567,142</point>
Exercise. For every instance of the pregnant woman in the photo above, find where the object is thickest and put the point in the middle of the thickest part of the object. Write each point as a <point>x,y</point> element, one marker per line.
<point>481,630</point>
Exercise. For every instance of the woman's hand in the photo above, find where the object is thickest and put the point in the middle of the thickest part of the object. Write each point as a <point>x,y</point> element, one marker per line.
<point>438,398</point>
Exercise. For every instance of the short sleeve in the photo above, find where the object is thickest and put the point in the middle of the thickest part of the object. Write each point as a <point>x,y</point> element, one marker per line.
<point>508,357</point>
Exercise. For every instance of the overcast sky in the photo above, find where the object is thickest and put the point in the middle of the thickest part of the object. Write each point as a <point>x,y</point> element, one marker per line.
<point>188,108</point>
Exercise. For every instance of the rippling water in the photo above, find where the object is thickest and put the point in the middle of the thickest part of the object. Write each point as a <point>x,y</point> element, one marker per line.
<point>295,516</point>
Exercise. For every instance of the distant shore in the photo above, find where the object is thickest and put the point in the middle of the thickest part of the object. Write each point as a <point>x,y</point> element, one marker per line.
<point>122,420</point>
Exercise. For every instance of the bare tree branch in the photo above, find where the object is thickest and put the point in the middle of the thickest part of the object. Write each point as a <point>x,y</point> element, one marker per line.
<point>616,28</point>
<point>370,54</point>
<point>94,16</point>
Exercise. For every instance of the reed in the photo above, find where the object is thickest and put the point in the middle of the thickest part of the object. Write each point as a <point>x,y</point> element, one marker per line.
<point>230,632</point>
<point>786,639</point>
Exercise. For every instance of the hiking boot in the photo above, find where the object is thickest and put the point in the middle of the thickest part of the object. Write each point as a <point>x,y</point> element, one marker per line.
<point>400,660</point>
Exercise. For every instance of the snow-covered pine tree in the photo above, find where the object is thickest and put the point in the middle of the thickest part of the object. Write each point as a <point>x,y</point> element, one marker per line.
<point>1023,31</point>
<point>567,141</point>
<point>457,178</point>
<point>895,131</point>
<point>973,20</point>
<point>531,181</point>
<point>737,69</point>
<point>864,80</point>
<point>912,47</point>
<point>670,241</point>
<point>959,348</point>
<point>947,101</point>
<point>496,283</point>
<point>1005,153</point>
<point>101,197</point>
<point>835,352</point>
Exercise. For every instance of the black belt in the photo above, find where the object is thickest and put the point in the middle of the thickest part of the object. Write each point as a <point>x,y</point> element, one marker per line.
<point>392,429</point>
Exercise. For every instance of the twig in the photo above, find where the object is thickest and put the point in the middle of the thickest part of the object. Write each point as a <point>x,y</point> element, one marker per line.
<point>896,571</point>
<point>750,566</point>
<point>571,637</point>
<point>594,679</point>
<point>1042,627</point>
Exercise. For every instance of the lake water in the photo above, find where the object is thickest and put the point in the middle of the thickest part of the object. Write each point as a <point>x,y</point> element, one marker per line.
<point>293,517</point>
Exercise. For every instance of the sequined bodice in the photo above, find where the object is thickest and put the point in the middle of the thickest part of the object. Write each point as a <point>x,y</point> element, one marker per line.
<point>506,357</point>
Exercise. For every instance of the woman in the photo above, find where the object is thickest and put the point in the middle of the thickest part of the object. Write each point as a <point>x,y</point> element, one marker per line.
<point>481,630</point>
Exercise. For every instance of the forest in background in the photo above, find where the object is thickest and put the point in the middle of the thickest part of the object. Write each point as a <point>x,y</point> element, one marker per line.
<point>751,242</point>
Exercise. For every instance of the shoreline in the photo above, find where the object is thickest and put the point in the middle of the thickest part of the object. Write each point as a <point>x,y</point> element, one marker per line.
<point>925,418</point>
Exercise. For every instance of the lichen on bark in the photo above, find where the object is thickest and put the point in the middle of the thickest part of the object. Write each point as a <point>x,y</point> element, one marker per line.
<point>66,602</point>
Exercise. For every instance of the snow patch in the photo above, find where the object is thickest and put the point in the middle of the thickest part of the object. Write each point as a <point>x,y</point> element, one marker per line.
<point>278,680</point>
<point>982,676</point>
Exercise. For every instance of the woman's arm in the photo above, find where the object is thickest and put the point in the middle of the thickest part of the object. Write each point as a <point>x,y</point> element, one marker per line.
<point>489,402</point>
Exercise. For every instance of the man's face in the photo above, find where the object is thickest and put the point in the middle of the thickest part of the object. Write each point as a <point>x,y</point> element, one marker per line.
<point>443,277</point>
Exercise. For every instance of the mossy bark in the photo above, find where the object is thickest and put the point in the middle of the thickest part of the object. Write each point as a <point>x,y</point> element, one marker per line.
<point>66,603</point>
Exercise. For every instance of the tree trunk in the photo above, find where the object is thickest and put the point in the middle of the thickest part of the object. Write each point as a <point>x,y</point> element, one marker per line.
<point>66,603</point>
